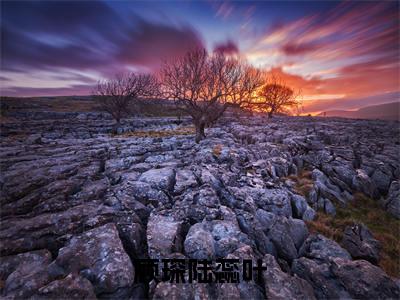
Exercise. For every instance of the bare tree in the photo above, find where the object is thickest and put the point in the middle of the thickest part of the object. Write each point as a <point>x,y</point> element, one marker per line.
<point>116,96</point>
<point>276,97</point>
<point>206,85</point>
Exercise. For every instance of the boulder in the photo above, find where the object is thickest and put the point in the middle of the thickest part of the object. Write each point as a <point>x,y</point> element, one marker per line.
<point>362,280</point>
<point>256,230</point>
<point>382,181</point>
<point>25,273</point>
<point>276,201</point>
<point>207,197</point>
<point>360,243</point>
<point>71,287</point>
<point>98,255</point>
<point>185,179</point>
<point>199,243</point>
<point>228,291</point>
<point>46,230</point>
<point>145,193</point>
<point>363,183</point>
<point>392,202</point>
<point>9,264</point>
<point>163,179</point>
<point>299,205</point>
<point>316,246</point>
<point>166,290</point>
<point>319,275</point>
<point>329,208</point>
<point>266,219</point>
<point>287,236</point>
<point>227,237</point>
<point>280,285</point>
<point>132,235</point>
<point>163,236</point>
<point>309,214</point>
<point>226,233</point>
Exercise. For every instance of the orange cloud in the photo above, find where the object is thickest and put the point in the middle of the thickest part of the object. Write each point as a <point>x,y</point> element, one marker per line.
<point>347,53</point>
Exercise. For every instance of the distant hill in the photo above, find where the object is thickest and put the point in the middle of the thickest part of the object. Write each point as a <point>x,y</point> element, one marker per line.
<point>387,111</point>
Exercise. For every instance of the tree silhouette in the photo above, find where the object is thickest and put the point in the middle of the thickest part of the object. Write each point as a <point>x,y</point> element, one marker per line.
<point>117,95</point>
<point>205,85</point>
<point>276,97</point>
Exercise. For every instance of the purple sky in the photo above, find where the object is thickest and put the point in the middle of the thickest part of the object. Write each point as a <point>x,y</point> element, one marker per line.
<point>340,54</point>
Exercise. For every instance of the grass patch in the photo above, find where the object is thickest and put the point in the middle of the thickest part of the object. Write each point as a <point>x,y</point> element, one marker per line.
<point>384,227</point>
<point>159,133</point>
<point>303,182</point>
<point>217,149</point>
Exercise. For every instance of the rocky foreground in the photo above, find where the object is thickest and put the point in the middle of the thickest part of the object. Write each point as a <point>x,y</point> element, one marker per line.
<point>79,205</point>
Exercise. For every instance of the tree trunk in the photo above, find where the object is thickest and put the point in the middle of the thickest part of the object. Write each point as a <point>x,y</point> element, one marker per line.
<point>270,114</point>
<point>200,131</point>
<point>116,126</point>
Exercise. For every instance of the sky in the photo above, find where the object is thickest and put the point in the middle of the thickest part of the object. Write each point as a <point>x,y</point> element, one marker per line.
<point>338,54</point>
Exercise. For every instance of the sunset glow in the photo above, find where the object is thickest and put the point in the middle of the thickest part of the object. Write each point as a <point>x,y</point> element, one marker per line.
<point>341,55</point>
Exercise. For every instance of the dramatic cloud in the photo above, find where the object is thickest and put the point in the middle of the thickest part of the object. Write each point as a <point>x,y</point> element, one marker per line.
<point>229,48</point>
<point>147,44</point>
<point>316,106</point>
<point>223,9</point>
<point>350,51</point>
<point>297,49</point>
<point>333,53</point>
<point>72,90</point>
<point>85,36</point>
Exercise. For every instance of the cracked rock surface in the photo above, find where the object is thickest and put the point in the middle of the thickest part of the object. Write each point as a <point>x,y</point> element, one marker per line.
<point>79,205</point>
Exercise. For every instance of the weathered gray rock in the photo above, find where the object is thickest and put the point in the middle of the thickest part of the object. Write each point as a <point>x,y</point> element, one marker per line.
<point>326,189</point>
<point>319,275</point>
<point>309,214</point>
<point>287,236</point>
<point>185,179</point>
<point>72,287</point>
<point>227,237</point>
<point>316,246</point>
<point>363,280</point>
<point>145,193</point>
<point>360,243</point>
<point>25,273</point>
<point>329,208</point>
<point>163,236</point>
<point>382,180</point>
<point>163,179</point>
<point>207,197</point>
<point>165,290</point>
<point>299,205</point>
<point>257,228</point>
<point>99,256</point>
<point>276,201</point>
<point>63,175</point>
<point>280,285</point>
<point>392,202</point>
<point>46,230</point>
<point>266,219</point>
<point>363,183</point>
<point>199,243</point>
<point>9,264</point>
